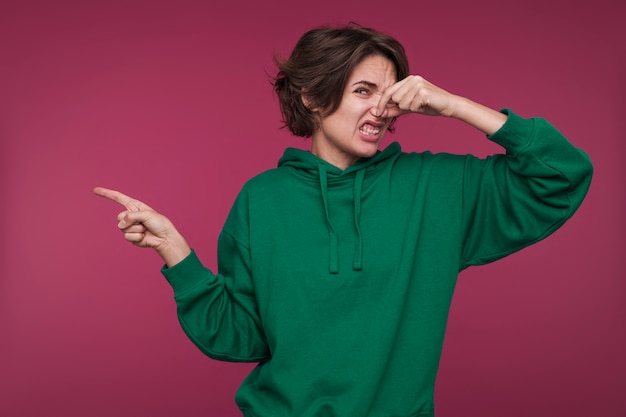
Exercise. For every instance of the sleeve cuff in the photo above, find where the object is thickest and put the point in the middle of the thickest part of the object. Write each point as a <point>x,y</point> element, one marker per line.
<point>515,134</point>
<point>185,274</point>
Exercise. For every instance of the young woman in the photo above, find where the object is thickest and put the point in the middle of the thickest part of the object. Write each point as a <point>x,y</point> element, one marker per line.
<point>336,270</point>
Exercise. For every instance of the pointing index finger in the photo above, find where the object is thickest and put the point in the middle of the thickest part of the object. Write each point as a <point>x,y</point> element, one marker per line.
<point>117,197</point>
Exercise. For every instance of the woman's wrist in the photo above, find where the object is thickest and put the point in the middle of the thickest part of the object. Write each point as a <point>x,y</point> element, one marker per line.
<point>173,250</point>
<point>483,118</point>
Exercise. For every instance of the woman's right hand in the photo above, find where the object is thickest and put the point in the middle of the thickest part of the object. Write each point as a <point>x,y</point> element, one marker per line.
<point>146,228</point>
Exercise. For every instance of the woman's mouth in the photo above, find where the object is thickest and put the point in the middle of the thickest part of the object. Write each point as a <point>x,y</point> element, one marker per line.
<point>369,130</point>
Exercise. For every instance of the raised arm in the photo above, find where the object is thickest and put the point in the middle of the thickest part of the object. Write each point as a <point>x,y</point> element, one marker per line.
<point>146,228</point>
<point>510,200</point>
<point>414,94</point>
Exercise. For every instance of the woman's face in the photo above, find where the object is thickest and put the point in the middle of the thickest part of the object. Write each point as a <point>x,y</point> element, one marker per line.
<point>353,131</point>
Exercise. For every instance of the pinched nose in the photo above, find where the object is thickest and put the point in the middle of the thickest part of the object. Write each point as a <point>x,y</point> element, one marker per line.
<point>381,114</point>
<point>376,109</point>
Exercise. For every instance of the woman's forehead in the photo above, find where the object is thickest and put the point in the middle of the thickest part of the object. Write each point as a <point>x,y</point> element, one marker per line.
<point>374,71</point>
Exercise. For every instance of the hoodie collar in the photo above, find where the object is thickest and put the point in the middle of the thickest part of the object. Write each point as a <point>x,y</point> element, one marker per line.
<point>309,163</point>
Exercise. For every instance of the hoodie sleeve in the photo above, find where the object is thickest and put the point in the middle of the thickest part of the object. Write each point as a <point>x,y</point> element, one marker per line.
<point>218,312</point>
<point>514,200</point>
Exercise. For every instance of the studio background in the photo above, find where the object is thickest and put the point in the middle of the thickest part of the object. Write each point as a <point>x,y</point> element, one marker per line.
<point>172,103</point>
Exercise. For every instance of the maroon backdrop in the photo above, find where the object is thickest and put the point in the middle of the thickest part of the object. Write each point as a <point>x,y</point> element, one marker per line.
<point>172,104</point>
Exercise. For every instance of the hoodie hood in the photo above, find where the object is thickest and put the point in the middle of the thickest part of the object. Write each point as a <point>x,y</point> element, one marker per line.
<point>311,167</point>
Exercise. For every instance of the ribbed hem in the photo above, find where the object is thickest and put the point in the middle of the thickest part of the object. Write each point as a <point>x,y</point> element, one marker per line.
<point>428,413</point>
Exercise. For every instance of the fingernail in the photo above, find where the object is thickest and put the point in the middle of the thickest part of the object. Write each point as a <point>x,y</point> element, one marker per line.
<point>121,224</point>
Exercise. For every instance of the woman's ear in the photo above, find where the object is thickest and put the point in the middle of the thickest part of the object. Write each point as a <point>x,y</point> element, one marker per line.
<point>306,100</point>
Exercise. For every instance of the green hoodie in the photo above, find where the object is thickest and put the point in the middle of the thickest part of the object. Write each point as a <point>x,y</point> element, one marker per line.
<point>339,283</point>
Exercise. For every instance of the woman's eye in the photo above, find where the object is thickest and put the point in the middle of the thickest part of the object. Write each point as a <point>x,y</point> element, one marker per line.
<point>361,91</point>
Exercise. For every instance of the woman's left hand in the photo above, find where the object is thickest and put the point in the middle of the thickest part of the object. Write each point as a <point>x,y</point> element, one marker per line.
<point>414,94</point>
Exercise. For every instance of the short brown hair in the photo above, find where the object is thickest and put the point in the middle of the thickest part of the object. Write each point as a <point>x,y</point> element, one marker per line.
<point>321,63</point>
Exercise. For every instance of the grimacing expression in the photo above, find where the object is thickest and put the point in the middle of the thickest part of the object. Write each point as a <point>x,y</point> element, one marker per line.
<point>353,131</point>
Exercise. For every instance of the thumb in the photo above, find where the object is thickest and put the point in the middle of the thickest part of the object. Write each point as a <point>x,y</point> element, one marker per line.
<point>155,223</point>
<point>128,218</point>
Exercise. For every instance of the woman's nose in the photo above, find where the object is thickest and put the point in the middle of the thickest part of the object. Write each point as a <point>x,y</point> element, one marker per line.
<point>375,103</point>
<point>374,110</point>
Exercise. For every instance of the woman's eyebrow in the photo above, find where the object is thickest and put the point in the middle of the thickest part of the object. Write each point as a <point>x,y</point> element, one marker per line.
<point>367,83</point>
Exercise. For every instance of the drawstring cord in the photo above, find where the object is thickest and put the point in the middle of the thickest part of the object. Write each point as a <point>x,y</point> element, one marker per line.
<point>357,263</point>
<point>333,267</point>
<point>358,246</point>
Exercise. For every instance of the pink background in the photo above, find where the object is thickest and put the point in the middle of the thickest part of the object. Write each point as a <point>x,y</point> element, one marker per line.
<point>172,104</point>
